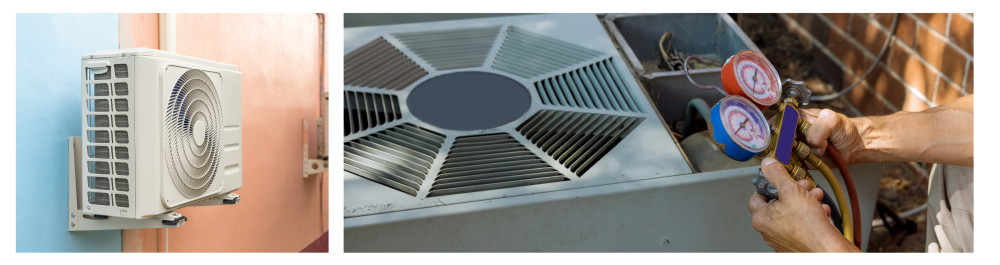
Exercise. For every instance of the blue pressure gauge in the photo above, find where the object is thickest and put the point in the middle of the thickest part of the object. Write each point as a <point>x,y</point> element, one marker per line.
<point>739,128</point>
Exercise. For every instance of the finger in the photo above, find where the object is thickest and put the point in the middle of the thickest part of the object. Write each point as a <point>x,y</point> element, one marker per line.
<point>805,184</point>
<point>810,115</point>
<point>817,193</point>
<point>757,203</point>
<point>826,209</point>
<point>775,173</point>
<point>822,127</point>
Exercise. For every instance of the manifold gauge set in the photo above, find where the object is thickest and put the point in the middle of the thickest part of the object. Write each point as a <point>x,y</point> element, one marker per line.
<point>736,121</point>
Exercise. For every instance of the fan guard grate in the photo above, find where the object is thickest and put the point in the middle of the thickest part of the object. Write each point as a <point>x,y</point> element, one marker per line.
<point>194,100</point>
<point>378,64</point>
<point>596,86</point>
<point>451,49</point>
<point>489,162</point>
<point>575,139</point>
<point>364,111</point>
<point>398,157</point>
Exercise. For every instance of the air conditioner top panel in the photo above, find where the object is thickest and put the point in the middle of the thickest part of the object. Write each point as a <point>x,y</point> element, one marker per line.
<point>572,114</point>
<point>156,53</point>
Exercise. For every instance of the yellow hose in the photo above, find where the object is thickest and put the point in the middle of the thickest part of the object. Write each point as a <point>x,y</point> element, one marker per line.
<point>837,192</point>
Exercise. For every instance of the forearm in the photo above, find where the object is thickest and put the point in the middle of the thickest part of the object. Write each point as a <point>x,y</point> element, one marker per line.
<point>943,134</point>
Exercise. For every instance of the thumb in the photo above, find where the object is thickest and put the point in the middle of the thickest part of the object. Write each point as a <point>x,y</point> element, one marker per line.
<point>775,173</point>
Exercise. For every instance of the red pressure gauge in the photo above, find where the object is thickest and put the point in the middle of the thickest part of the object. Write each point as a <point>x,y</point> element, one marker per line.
<point>750,75</point>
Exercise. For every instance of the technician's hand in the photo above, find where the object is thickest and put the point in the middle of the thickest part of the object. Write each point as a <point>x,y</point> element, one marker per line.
<point>836,128</point>
<point>796,221</point>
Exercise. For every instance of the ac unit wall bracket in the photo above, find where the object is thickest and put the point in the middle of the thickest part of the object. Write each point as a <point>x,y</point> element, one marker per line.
<point>79,222</point>
<point>311,166</point>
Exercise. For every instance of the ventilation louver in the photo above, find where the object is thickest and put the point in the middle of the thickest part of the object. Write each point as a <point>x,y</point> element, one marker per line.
<point>121,89</point>
<point>121,184</point>
<point>399,157</point>
<point>364,111</point>
<point>121,200</point>
<point>585,120</point>
<point>492,161</point>
<point>97,90</point>
<point>528,54</point>
<point>121,71</point>
<point>98,183</point>
<point>194,104</point>
<point>596,86</point>
<point>380,65</point>
<point>576,139</point>
<point>451,49</point>
<point>99,198</point>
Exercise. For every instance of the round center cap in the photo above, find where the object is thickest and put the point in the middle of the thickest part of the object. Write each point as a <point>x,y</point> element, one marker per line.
<point>199,133</point>
<point>469,101</point>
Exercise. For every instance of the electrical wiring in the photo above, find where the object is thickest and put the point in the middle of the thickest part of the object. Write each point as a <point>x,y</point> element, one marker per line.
<point>885,47</point>
<point>696,83</point>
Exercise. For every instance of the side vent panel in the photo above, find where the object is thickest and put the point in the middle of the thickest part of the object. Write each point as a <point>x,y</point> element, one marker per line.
<point>528,54</point>
<point>489,162</point>
<point>452,49</point>
<point>378,64</point>
<point>399,157</point>
<point>596,86</point>
<point>107,121</point>
<point>577,140</point>
<point>363,111</point>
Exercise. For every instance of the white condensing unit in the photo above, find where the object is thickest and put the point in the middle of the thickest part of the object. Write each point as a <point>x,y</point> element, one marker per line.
<point>161,131</point>
<point>519,133</point>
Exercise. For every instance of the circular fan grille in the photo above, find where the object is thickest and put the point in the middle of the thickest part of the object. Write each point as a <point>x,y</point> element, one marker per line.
<point>193,134</point>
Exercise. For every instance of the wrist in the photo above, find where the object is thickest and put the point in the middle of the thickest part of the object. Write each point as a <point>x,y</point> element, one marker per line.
<point>835,242</point>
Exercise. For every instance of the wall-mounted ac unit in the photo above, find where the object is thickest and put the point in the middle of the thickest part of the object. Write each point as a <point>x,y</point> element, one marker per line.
<point>522,133</point>
<point>161,131</point>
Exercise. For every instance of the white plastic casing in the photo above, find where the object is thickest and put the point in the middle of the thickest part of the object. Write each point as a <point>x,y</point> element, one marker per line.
<point>151,76</point>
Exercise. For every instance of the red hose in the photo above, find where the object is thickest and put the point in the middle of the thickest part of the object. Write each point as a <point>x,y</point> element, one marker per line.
<point>852,193</point>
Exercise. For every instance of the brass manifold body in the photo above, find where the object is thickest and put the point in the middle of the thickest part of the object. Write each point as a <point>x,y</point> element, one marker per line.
<point>800,154</point>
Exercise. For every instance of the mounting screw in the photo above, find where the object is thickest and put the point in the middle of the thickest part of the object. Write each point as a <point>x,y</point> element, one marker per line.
<point>72,224</point>
<point>176,214</point>
<point>665,241</point>
<point>72,215</point>
<point>88,207</point>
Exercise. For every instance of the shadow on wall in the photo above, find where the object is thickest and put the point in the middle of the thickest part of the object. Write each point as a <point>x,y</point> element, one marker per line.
<point>49,47</point>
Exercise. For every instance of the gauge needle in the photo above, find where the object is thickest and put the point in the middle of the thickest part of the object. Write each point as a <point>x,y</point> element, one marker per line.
<point>754,88</point>
<point>742,124</point>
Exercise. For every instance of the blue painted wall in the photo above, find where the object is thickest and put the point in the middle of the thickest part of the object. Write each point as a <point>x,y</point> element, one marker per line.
<point>49,47</point>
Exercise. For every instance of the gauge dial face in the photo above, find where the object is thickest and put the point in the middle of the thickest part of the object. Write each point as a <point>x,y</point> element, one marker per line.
<point>745,124</point>
<point>757,77</point>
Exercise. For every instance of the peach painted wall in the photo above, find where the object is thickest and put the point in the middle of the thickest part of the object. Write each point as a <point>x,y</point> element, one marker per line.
<point>140,30</point>
<point>279,57</point>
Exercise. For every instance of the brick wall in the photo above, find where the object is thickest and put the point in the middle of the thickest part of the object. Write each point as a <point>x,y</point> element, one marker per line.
<point>927,64</point>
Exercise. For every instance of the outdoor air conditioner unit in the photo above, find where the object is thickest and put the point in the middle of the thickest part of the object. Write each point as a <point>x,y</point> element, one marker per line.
<point>521,133</point>
<point>161,131</point>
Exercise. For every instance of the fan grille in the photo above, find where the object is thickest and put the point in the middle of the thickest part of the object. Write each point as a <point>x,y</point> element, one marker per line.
<point>489,162</point>
<point>378,64</point>
<point>528,54</point>
<point>575,139</point>
<point>596,86</point>
<point>193,167</point>
<point>398,157</point>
